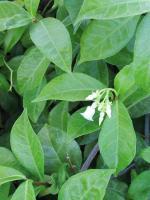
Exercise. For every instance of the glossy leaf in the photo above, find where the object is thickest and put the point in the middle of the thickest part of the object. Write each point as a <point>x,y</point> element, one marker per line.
<point>32,6</point>
<point>56,149</point>
<point>25,191</point>
<point>79,126</point>
<point>140,187</point>
<point>26,146</point>
<point>89,184</point>
<point>108,9</point>
<point>146,154</point>
<point>12,16</point>
<point>8,174</point>
<point>99,41</point>
<point>117,152</point>
<point>53,40</point>
<point>31,70</point>
<point>79,87</point>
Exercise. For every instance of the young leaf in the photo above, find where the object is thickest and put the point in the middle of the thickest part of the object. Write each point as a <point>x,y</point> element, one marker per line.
<point>25,191</point>
<point>69,87</point>
<point>12,16</point>
<point>32,6</point>
<point>146,154</point>
<point>90,184</point>
<point>53,40</point>
<point>78,125</point>
<point>140,187</point>
<point>8,174</point>
<point>31,70</point>
<point>108,9</point>
<point>99,41</point>
<point>142,42</point>
<point>57,148</point>
<point>26,146</point>
<point>116,148</point>
<point>58,117</point>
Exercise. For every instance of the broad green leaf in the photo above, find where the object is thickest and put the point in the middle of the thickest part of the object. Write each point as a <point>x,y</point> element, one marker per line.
<point>140,187</point>
<point>116,190</point>
<point>146,154</point>
<point>69,87</point>
<point>56,149</point>
<point>142,42</point>
<point>96,69</point>
<point>31,70</point>
<point>8,174</point>
<point>90,184</point>
<point>53,40</point>
<point>26,146</point>
<point>111,9</point>
<point>12,37</point>
<point>79,126</point>
<point>25,191</point>
<point>116,148</point>
<point>4,85</point>
<point>58,116</point>
<point>102,39</point>
<point>32,6</point>
<point>4,191</point>
<point>12,16</point>
<point>34,109</point>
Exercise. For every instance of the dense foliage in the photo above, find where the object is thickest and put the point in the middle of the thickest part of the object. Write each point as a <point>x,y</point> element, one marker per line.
<point>74,100</point>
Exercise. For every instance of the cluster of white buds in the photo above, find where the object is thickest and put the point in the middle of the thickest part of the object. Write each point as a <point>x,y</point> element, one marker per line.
<point>101,102</point>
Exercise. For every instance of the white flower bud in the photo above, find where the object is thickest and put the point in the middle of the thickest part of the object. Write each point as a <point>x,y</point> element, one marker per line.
<point>101,117</point>
<point>89,113</point>
<point>91,96</point>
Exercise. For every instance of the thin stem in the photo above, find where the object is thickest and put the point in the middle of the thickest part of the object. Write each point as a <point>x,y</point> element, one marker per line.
<point>38,183</point>
<point>45,8</point>
<point>11,74</point>
<point>90,158</point>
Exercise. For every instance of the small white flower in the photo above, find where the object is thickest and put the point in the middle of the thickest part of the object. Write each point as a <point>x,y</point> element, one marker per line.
<point>89,113</point>
<point>108,109</point>
<point>101,117</point>
<point>91,96</point>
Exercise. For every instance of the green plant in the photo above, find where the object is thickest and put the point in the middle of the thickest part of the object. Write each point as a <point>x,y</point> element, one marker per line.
<point>74,79</point>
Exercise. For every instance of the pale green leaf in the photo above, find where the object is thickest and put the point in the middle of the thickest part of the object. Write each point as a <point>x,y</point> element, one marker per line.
<point>12,16</point>
<point>145,154</point>
<point>111,9</point>
<point>140,187</point>
<point>53,40</point>
<point>31,70</point>
<point>32,6</point>
<point>102,39</point>
<point>116,149</point>
<point>69,87</point>
<point>56,149</point>
<point>8,174</point>
<point>90,184</point>
<point>25,191</point>
<point>26,146</point>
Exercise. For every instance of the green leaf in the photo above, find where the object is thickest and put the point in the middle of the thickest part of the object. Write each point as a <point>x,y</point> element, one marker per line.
<point>31,70</point>
<point>4,191</point>
<point>146,154</point>
<point>58,116</point>
<point>32,6</point>
<point>26,146</point>
<point>53,40</point>
<point>79,126</point>
<point>116,148</point>
<point>99,41</point>
<point>12,16</point>
<point>12,37</point>
<point>90,184</point>
<point>25,191</point>
<point>8,174</point>
<point>140,187</point>
<point>56,149</point>
<point>34,109</point>
<point>69,87</point>
<point>108,9</point>
<point>142,42</point>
